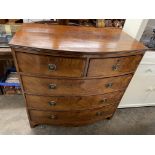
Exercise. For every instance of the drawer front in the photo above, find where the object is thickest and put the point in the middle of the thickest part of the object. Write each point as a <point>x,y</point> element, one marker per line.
<point>65,103</point>
<point>52,86</point>
<point>71,118</point>
<point>50,65</point>
<point>46,86</point>
<point>113,66</point>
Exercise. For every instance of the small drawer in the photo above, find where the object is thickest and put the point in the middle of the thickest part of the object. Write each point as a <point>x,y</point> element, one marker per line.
<point>71,117</point>
<point>50,65</point>
<point>67,103</point>
<point>55,86</point>
<point>113,66</point>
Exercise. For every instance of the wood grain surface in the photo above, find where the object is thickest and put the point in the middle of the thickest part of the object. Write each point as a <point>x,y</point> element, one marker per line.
<point>40,64</point>
<point>36,85</point>
<point>113,66</point>
<point>69,103</point>
<point>73,76</point>
<point>75,39</point>
<point>71,118</point>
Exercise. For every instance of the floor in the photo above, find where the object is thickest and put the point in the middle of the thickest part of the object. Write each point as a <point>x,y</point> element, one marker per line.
<point>13,120</point>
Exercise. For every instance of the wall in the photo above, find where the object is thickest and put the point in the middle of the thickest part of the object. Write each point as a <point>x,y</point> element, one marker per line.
<point>135,27</point>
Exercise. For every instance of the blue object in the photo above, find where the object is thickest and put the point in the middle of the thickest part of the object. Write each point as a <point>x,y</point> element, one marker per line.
<point>10,84</point>
<point>3,83</point>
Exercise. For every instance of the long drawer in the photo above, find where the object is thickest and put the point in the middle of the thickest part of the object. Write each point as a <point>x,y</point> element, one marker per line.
<point>113,66</point>
<point>53,86</point>
<point>71,118</point>
<point>67,103</point>
<point>50,65</point>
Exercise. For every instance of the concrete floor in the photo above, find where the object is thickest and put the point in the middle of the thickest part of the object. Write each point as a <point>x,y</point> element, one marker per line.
<point>13,120</point>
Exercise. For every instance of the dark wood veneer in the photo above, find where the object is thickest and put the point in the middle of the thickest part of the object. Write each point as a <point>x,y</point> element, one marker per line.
<point>75,39</point>
<point>72,118</point>
<point>68,103</point>
<point>74,87</point>
<point>113,66</point>
<point>71,67</point>
<point>73,75</point>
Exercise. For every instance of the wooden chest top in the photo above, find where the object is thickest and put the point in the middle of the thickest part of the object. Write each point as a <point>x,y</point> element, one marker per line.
<point>75,39</point>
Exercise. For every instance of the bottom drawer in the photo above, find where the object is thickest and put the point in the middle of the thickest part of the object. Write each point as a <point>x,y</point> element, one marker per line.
<point>71,118</point>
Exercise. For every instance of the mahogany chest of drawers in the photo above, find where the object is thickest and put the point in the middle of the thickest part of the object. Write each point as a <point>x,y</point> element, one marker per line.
<point>73,75</point>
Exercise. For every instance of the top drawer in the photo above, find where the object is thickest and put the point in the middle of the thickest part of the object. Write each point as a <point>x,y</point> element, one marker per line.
<point>50,65</point>
<point>113,66</point>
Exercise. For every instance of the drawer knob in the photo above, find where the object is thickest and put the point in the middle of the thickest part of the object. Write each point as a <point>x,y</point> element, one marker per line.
<point>115,67</point>
<point>109,85</point>
<point>52,103</point>
<point>52,117</point>
<point>99,113</point>
<point>149,89</point>
<point>52,67</point>
<point>52,86</point>
<point>148,70</point>
<point>104,100</point>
